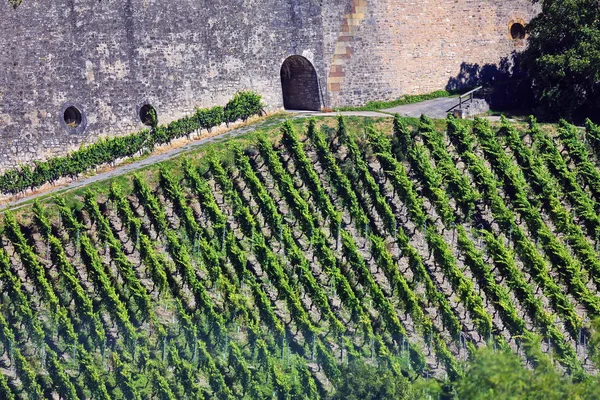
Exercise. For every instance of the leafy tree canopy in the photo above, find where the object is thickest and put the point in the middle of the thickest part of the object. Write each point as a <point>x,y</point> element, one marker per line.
<point>502,376</point>
<point>563,58</point>
<point>362,381</point>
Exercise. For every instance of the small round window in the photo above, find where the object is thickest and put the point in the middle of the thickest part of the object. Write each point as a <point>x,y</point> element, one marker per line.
<point>72,117</point>
<point>148,115</point>
<point>517,31</point>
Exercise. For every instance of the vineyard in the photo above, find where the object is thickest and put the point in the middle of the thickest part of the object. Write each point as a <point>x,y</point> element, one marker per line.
<point>263,271</point>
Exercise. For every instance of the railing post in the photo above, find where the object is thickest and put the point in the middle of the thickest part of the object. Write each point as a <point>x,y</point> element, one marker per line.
<point>470,95</point>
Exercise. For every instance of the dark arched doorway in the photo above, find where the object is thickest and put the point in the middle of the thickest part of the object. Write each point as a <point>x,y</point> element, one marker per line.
<point>300,85</point>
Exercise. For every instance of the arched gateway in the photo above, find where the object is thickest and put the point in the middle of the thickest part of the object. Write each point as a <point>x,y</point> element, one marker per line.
<point>300,85</point>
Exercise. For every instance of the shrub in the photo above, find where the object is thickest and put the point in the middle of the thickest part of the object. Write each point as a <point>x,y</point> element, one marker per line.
<point>208,118</point>
<point>243,106</point>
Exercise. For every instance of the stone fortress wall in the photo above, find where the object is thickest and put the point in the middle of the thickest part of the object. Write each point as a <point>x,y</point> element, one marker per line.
<point>107,59</point>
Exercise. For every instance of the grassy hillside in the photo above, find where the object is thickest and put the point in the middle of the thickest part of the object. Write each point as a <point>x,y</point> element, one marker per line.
<point>269,268</point>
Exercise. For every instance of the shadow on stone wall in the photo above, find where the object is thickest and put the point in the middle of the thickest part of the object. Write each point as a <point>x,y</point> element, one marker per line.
<point>506,85</point>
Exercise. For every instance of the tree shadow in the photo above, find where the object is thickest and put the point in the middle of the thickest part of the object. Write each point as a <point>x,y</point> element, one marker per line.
<point>506,86</point>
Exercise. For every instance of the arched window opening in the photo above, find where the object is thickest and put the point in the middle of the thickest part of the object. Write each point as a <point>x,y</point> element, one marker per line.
<point>517,31</point>
<point>300,85</point>
<point>72,117</point>
<point>148,115</point>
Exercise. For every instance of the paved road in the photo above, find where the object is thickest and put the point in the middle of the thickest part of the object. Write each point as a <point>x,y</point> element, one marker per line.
<point>370,114</point>
<point>435,108</point>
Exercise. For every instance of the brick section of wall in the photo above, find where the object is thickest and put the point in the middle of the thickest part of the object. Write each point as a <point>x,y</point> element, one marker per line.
<point>343,48</point>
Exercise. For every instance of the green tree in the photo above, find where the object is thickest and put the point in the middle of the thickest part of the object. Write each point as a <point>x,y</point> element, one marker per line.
<point>563,58</point>
<point>502,375</point>
<point>362,381</point>
<point>594,342</point>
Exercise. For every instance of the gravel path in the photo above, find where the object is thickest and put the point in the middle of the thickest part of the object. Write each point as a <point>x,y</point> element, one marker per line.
<point>133,166</point>
<point>369,114</point>
<point>18,201</point>
<point>435,108</point>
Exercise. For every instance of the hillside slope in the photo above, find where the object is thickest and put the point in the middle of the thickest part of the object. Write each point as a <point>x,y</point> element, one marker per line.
<point>263,271</point>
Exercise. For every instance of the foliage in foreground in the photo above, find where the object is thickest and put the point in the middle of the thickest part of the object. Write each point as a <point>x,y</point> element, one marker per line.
<point>489,375</point>
<point>502,375</point>
<point>291,272</point>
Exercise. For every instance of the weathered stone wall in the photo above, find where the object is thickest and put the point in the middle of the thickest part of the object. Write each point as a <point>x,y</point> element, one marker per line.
<point>108,58</point>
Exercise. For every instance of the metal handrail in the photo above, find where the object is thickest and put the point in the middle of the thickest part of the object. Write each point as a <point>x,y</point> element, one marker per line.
<point>468,94</point>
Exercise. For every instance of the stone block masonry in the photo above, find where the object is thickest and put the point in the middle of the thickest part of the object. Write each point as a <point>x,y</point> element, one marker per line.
<point>105,60</point>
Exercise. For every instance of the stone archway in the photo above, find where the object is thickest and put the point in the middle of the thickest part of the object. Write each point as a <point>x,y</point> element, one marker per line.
<point>300,85</point>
